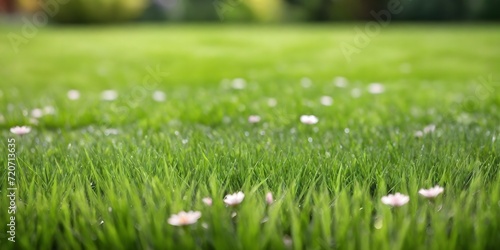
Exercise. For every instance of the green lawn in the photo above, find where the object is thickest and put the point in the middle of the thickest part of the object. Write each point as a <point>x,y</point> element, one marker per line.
<point>108,174</point>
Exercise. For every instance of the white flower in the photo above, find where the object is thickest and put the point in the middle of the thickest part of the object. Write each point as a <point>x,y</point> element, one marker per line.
<point>238,83</point>
<point>309,119</point>
<point>109,95</point>
<point>20,130</point>
<point>431,192</point>
<point>340,82</point>
<point>376,88</point>
<point>73,94</point>
<point>254,119</point>
<point>207,201</point>
<point>326,100</point>
<point>269,198</point>
<point>184,218</point>
<point>36,113</point>
<point>418,134</point>
<point>159,96</point>
<point>234,199</point>
<point>429,128</point>
<point>395,200</point>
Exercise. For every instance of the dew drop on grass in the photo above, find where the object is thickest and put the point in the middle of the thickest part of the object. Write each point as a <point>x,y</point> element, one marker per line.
<point>264,220</point>
<point>310,140</point>
<point>379,223</point>
<point>347,130</point>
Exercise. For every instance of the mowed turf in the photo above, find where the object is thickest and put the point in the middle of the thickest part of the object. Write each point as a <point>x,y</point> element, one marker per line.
<point>108,174</point>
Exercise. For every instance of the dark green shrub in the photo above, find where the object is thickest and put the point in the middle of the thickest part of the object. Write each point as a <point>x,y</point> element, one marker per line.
<point>85,11</point>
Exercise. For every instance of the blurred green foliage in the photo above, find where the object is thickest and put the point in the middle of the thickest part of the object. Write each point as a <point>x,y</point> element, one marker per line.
<point>274,10</point>
<point>84,11</point>
<point>321,10</point>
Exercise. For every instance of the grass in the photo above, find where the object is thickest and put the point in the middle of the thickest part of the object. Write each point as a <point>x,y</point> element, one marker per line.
<point>80,186</point>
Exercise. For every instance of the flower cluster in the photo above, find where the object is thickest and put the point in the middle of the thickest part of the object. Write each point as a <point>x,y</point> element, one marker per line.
<point>187,218</point>
<point>398,199</point>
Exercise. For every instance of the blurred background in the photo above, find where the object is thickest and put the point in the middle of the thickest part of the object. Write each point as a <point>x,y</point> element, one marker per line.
<point>103,11</point>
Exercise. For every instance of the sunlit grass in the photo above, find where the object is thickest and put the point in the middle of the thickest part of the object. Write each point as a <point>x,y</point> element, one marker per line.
<point>109,174</point>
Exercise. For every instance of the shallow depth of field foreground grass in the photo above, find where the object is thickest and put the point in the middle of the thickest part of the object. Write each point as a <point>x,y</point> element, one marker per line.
<point>109,174</point>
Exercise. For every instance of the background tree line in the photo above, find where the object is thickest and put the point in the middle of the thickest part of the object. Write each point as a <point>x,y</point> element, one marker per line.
<point>81,11</point>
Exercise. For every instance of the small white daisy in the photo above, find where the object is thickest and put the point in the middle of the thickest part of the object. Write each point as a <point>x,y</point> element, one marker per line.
<point>326,100</point>
<point>234,199</point>
<point>431,192</point>
<point>109,95</point>
<point>184,218</point>
<point>159,96</point>
<point>20,130</point>
<point>395,200</point>
<point>376,88</point>
<point>269,198</point>
<point>254,119</point>
<point>309,119</point>
<point>73,94</point>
